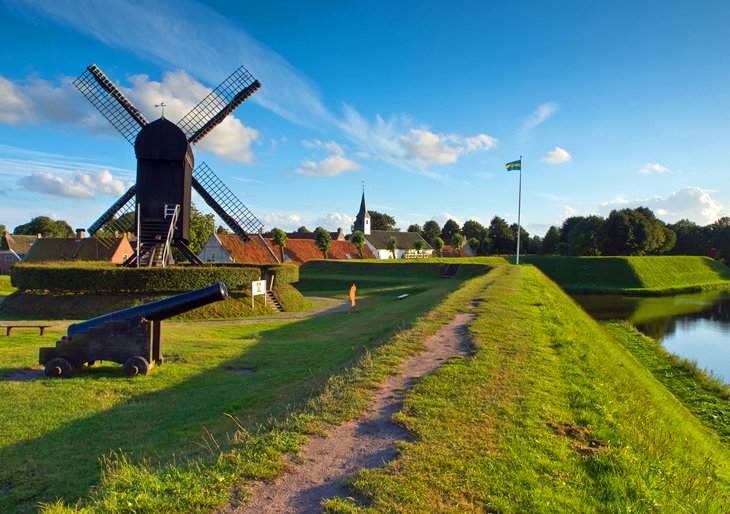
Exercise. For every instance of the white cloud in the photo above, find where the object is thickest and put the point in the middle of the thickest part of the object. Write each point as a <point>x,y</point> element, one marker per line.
<point>538,116</point>
<point>479,143</point>
<point>79,185</point>
<point>15,106</point>
<point>443,217</point>
<point>653,167</point>
<point>288,222</point>
<point>231,139</point>
<point>692,203</point>
<point>328,167</point>
<point>568,211</point>
<point>334,220</point>
<point>429,147</point>
<point>557,156</point>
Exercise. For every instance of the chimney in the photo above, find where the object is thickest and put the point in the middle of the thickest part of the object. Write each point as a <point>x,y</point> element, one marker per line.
<point>80,233</point>
<point>340,234</point>
<point>6,233</point>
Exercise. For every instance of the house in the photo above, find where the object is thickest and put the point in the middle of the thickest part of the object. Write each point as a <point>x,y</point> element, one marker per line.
<point>80,248</point>
<point>377,240</point>
<point>12,249</point>
<point>262,250</point>
<point>464,251</point>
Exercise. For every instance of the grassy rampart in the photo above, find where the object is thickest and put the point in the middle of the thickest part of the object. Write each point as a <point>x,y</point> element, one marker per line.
<point>650,275</point>
<point>551,414</point>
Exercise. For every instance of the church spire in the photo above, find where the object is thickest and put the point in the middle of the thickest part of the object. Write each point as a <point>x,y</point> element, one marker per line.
<point>362,221</point>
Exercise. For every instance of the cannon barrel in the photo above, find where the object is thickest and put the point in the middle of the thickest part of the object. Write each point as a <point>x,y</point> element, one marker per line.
<point>159,310</point>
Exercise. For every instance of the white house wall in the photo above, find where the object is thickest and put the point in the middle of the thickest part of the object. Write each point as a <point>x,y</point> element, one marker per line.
<point>214,251</point>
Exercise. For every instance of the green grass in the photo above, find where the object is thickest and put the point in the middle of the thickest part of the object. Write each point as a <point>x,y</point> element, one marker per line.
<point>165,441</point>
<point>551,414</point>
<point>706,397</point>
<point>5,287</point>
<point>634,275</point>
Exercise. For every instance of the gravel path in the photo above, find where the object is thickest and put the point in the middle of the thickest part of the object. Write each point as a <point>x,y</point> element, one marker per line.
<point>323,464</point>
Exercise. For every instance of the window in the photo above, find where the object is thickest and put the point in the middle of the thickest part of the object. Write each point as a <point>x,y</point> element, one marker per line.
<point>9,258</point>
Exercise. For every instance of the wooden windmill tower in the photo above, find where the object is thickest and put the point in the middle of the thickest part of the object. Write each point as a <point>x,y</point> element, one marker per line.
<point>157,207</point>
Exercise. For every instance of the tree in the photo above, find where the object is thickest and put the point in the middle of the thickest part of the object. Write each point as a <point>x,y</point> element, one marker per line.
<point>719,238</point>
<point>691,239</point>
<point>635,232</point>
<point>202,227</point>
<point>381,221</point>
<point>583,236</point>
<point>457,241</point>
<point>358,239</point>
<point>450,228</point>
<point>221,230</point>
<point>415,228</point>
<point>438,245</point>
<point>323,240</point>
<point>303,230</point>
<point>46,226</point>
<point>392,245</point>
<point>550,241</point>
<point>419,245</point>
<point>2,228</point>
<point>473,243</point>
<point>501,237</point>
<point>279,238</point>
<point>431,230</point>
<point>473,229</point>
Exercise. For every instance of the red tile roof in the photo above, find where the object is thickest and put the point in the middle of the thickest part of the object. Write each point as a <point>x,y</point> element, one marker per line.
<point>253,251</point>
<point>296,251</point>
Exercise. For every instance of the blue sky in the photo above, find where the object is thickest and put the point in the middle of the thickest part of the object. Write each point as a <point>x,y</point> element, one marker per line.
<point>611,104</point>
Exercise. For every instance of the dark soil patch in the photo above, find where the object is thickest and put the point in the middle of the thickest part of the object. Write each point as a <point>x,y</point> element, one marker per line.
<point>582,442</point>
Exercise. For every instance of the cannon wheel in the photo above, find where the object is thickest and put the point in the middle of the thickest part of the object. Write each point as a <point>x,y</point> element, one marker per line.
<point>59,367</point>
<point>136,366</point>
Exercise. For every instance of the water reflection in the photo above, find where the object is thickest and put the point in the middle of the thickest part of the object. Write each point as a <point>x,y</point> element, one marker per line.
<point>696,326</point>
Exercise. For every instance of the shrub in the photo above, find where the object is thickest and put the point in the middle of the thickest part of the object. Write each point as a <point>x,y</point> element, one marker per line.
<point>104,277</point>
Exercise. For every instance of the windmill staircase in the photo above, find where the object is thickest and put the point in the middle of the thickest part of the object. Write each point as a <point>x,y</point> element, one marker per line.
<point>154,238</point>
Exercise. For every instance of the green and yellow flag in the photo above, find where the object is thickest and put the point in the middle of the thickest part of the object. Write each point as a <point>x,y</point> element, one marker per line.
<point>514,165</point>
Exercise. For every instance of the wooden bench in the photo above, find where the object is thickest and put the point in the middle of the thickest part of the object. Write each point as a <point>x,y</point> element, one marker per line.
<point>8,328</point>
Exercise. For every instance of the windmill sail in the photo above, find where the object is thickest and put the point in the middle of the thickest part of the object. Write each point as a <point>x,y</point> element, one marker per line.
<point>225,204</point>
<point>110,102</point>
<point>117,217</point>
<point>222,101</point>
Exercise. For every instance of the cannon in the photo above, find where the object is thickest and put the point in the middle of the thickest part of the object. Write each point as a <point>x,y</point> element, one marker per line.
<point>131,337</point>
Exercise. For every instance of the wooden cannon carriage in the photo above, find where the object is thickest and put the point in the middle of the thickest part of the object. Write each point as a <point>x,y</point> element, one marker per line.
<point>131,337</point>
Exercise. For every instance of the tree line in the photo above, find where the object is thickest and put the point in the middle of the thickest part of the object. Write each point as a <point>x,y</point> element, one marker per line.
<point>623,232</point>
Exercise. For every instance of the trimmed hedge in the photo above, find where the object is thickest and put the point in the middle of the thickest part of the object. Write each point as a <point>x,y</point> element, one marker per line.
<point>96,278</point>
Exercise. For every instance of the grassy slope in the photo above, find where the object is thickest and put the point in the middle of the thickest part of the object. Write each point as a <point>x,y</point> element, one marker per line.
<point>52,432</point>
<point>550,415</point>
<point>5,287</point>
<point>648,275</point>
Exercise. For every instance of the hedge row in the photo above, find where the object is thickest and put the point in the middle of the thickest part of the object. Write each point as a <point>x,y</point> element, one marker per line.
<point>96,278</point>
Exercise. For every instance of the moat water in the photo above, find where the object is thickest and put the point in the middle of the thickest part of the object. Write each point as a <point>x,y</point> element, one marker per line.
<point>695,326</point>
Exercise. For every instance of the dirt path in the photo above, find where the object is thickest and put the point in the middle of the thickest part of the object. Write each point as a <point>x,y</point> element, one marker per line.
<point>323,464</point>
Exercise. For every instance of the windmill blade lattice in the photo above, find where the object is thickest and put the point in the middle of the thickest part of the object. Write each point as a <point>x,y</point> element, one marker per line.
<point>118,219</point>
<point>225,204</point>
<point>214,108</point>
<point>110,102</point>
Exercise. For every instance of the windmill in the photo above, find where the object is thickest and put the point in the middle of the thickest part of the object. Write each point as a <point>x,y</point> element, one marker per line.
<point>157,207</point>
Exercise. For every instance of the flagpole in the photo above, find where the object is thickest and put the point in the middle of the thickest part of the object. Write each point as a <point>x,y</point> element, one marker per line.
<point>519,208</point>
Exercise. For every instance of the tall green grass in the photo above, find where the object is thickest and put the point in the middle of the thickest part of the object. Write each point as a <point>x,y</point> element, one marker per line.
<point>551,414</point>
<point>634,275</point>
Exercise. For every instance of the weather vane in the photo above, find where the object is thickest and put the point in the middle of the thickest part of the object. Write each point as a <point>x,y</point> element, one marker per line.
<point>163,105</point>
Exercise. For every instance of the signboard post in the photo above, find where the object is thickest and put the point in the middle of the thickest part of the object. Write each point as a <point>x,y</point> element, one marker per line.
<point>258,287</point>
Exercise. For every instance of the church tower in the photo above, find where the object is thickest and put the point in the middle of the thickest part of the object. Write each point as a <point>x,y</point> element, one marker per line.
<point>362,221</point>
